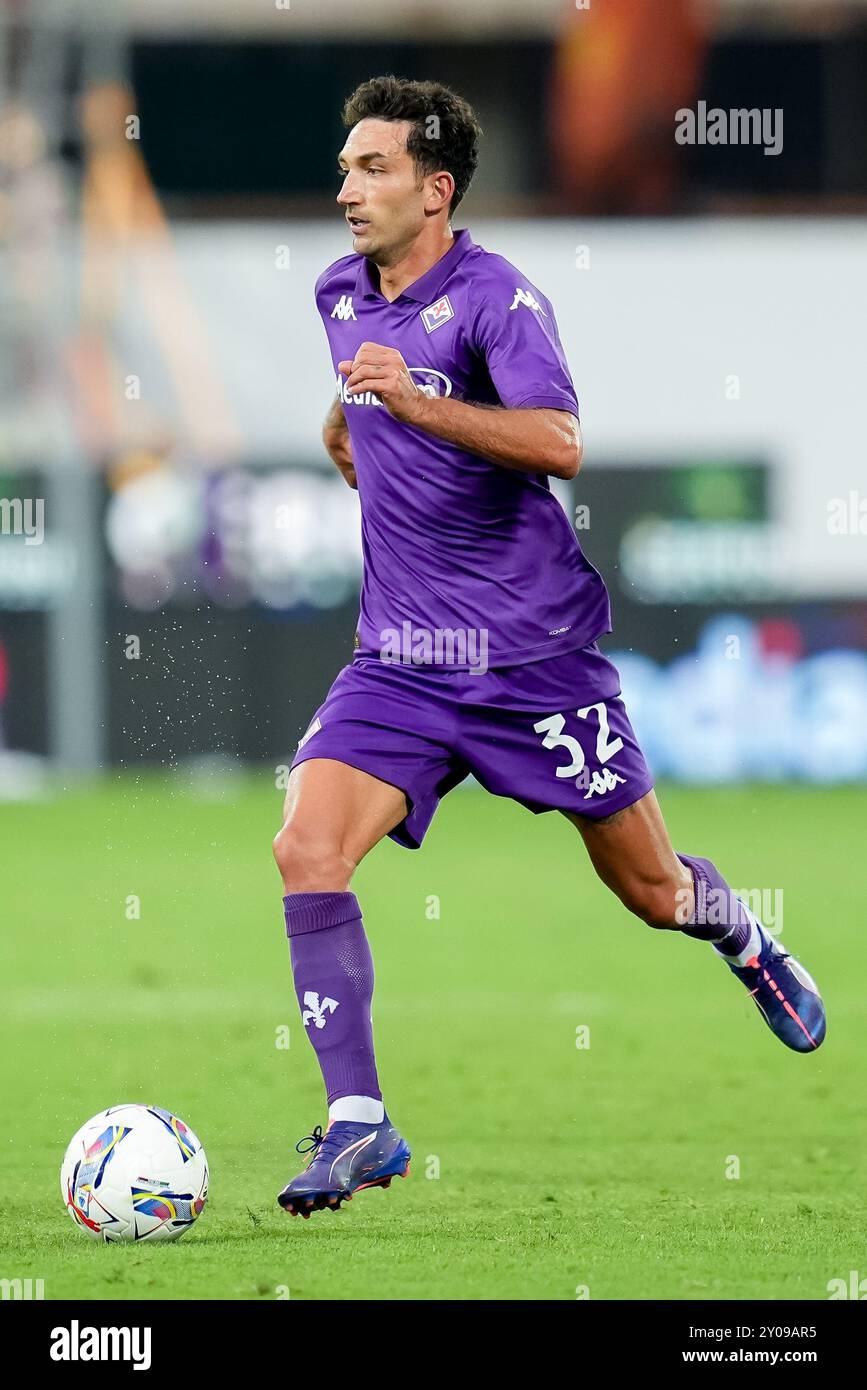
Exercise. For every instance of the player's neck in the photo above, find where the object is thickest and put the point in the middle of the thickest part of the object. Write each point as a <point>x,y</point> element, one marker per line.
<point>413,263</point>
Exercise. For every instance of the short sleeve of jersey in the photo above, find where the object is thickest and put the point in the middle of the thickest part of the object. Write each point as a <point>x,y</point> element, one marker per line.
<point>521,347</point>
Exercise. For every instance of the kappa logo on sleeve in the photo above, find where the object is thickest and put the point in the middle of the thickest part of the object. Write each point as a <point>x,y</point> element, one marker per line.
<point>525,297</point>
<point>435,315</point>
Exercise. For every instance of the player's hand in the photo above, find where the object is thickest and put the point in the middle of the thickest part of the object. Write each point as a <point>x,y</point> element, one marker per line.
<point>383,370</point>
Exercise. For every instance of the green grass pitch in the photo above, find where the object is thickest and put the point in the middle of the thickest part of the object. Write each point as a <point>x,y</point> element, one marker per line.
<point>539,1168</point>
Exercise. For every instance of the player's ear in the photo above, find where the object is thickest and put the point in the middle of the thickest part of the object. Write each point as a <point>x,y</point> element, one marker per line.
<point>441,190</point>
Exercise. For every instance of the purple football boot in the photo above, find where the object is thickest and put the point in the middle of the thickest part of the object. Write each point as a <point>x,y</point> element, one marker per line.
<point>348,1157</point>
<point>785,995</point>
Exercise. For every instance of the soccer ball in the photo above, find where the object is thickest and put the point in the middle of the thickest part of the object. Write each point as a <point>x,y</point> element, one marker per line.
<point>134,1172</point>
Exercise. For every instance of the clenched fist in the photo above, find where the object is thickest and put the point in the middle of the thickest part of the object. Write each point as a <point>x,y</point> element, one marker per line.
<point>383,370</point>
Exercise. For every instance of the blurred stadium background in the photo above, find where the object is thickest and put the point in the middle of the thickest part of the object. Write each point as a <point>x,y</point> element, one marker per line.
<point>165,206</point>
<point>179,560</point>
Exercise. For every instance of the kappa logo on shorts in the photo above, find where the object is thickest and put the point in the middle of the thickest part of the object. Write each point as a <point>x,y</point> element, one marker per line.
<point>435,315</point>
<point>598,783</point>
<point>314,729</point>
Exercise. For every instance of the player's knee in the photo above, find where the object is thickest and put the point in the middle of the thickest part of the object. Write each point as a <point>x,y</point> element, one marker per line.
<point>309,862</point>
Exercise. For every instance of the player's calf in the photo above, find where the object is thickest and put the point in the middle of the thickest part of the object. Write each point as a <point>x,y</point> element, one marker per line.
<point>657,901</point>
<point>632,854</point>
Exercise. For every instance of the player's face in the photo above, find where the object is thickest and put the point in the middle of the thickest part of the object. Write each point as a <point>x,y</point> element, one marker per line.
<point>381,195</point>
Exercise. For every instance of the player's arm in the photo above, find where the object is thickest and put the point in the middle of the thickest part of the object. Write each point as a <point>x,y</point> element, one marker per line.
<point>335,437</point>
<point>536,440</point>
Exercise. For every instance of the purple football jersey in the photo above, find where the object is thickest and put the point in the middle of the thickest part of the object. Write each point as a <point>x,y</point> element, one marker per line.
<point>453,542</point>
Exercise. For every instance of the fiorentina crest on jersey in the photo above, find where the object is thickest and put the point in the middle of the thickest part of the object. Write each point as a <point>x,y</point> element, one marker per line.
<point>435,315</point>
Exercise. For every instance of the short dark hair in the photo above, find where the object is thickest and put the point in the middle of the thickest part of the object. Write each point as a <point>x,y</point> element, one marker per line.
<point>456,145</point>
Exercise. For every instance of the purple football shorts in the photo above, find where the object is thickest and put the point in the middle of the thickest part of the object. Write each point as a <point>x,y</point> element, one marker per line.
<point>552,735</point>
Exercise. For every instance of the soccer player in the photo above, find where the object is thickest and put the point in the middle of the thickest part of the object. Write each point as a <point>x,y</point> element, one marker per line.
<point>476,649</point>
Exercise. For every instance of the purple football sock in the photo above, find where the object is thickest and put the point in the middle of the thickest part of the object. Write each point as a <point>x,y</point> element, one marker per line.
<point>719,915</point>
<point>333,972</point>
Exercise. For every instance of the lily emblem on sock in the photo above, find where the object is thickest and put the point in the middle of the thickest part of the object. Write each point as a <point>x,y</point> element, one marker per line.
<point>317,1011</point>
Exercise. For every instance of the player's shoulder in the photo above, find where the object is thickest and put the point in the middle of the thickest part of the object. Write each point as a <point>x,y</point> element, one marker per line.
<point>337,276</point>
<point>494,281</point>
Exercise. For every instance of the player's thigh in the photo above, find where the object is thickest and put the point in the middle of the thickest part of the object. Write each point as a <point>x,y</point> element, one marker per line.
<point>335,811</point>
<point>633,855</point>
